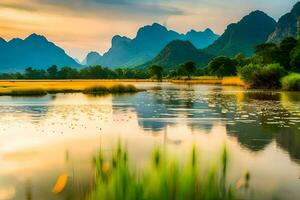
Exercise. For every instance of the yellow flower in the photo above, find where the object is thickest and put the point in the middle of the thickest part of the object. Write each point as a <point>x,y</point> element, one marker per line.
<point>106,167</point>
<point>60,184</point>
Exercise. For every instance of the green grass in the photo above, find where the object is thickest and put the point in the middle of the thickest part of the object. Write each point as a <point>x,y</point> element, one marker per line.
<point>114,89</point>
<point>291,82</point>
<point>162,180</point>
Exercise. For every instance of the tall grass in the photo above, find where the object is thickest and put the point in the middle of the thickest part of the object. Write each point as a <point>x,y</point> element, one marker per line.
<point>233,81</point>
<point>163,180</point>
<point>291,82</point>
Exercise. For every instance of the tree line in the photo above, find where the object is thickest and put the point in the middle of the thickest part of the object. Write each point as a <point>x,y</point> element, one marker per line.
<point>91,72</point>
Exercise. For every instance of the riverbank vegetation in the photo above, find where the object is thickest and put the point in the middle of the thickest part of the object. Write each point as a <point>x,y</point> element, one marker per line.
<point>291,82</point>
<point>273,66</point>
<point>115,178</point>
<point>31,89</point>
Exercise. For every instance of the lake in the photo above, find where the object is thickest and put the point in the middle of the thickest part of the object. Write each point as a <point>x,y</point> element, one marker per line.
<point>44,137</point>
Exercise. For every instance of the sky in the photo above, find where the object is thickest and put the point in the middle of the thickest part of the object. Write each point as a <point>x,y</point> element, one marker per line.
<point>81,26</point>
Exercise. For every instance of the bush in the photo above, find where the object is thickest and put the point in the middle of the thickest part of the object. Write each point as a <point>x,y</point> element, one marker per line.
<point>247,72</point>
<point>291,82</point>
<point>115,89</point>
<point>257,76</point>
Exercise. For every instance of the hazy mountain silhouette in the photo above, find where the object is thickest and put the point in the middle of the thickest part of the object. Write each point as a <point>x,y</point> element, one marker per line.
<point>287,25</point>
<point>34,51</point>
<point>178,52</point>
<point>92,57</point>
<point>149,41</point>
<point>242,37</point>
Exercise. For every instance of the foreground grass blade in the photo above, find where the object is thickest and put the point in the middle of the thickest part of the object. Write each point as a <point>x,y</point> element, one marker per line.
<point>162,179</point>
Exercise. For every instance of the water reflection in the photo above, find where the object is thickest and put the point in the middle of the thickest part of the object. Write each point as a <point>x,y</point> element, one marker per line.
<point>255,118</point>
<point>41,138</point>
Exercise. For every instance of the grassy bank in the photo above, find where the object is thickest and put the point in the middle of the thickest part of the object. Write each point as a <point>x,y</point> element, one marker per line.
<point>230,81</point>
<point>43,87</point>
<point>162,179</point>
<point>97,89</point>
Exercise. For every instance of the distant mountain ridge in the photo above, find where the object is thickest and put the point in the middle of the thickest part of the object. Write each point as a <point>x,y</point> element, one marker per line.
<point>243,36</point>
<point>92,57</point>
<point>149,41</point>
<point>176,53</point>
<point>287,25</point>
<point>34,51</point>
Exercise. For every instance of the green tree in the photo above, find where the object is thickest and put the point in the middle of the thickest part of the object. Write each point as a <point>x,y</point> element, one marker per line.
<point>241,60</point>
<point>156,71</point>
<point>67,73</point>
<point>222,66</point>
<point>52,72</point>
<point>285,49</point>
<point>190,68</point>
<point>31,73</point>
<point>268,52</point>
<point>295,59</point>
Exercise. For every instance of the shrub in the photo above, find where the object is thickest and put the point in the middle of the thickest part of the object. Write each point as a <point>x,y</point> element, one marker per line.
<point>115,89</point>
<point>247,72</point>
<point>291,82</point>
<point>262,77</point>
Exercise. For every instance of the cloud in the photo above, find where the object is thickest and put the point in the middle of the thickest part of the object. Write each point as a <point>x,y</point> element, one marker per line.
<point>118,7</point>
<point>83,25</point>
<point>18,6</point>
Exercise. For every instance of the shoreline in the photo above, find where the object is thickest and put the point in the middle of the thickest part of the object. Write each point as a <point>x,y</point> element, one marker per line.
<point>196,80</point>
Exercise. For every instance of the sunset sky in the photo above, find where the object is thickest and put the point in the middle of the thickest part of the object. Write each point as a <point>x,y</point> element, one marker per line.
<point>80,26</point>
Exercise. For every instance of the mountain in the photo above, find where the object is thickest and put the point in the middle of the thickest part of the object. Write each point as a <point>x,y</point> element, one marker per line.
<point>149,41</point>
<point>34,51</point>
<point>91,58</point>
<point>242,37</point>
<point>287,25</point>
<point>178,52</point>
<point>201,39</point>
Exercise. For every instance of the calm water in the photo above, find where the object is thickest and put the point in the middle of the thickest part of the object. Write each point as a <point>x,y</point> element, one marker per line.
<point>42,138</point>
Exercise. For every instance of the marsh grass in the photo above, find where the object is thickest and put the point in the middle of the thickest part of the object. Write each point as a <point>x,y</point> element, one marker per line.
<point>25,92</point>
<point>233,81</point>
<point>163,179</point>
<point>109,89</point>
<point>115,89</point>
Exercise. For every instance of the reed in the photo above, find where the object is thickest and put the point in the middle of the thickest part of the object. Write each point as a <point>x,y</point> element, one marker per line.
<point>162,180</point>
